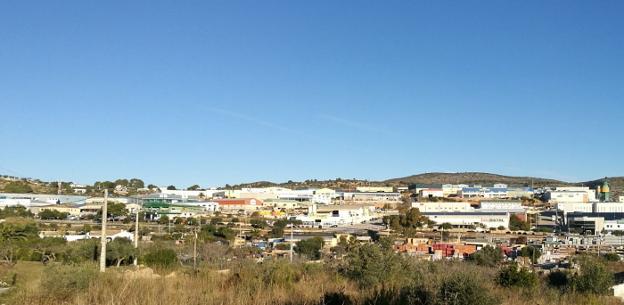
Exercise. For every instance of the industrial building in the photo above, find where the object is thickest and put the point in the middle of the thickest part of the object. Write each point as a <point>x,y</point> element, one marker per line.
<point>331,216</point>
<point>489,219</point>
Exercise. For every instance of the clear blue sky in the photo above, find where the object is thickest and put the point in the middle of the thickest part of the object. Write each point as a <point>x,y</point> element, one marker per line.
<point>185,92</point>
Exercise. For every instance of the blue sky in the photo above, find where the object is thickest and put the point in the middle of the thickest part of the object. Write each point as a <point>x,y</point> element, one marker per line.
<point>215,92</point>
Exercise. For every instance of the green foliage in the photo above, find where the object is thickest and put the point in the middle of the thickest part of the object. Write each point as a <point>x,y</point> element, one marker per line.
<point>52,214</point>
<point>136,183</point>
<point>558,279</point>
<point>282,246</point>
<point>102,185</point>
<point>61,282</point>
<point>258,223</point>
<point>487,256</point>
<point>81,251</point>
<point>17,187</point>
<point>120,250</point>
<point>411,219</point>
<point>370,265</point>
<point>163,220</point>
<point>160,257</point>
<point>193,187</point>
<point>513,275</point>
<point>311,248</point>
<point>171,188</point>
<point>281,273</point>
<point>116,209</point>
<point>594,278</point>
<point>279,226</point>
<point>611,257</point>
<point>215,220</point>
<point>15,211</point>
<point>516,224</point>
<point>212,233</point>
<point>464,289</point>
<point>533,253</point>
<point>446,226</point>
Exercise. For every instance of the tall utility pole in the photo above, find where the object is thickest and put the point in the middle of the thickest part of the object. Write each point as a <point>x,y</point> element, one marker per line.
<point>136,234</point>
<point>103,237</point>
<point>291,242</point>
<point>195,250</point>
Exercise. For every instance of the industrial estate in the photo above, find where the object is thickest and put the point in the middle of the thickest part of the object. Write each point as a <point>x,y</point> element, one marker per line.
<point>557,236</point>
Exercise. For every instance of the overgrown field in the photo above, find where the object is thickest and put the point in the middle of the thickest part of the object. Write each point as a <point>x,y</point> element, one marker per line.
<point>404,281</point>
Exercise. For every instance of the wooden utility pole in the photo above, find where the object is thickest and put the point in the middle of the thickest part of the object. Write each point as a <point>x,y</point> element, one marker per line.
<point>103,236</point>
<point>195,251</point>
<point>291,242</point>
<point>136,235</point>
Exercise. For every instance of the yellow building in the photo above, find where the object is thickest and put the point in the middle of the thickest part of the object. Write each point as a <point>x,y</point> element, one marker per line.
<point>71,210</point>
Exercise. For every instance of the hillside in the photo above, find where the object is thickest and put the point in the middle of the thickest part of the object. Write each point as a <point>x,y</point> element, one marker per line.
<point>19,185</point>
<point>616,184</point>
<point>12,185</point>
<point>343,184</point>
<point>474,178</point>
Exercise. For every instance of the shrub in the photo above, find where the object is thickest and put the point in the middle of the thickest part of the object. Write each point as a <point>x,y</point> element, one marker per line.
<point>488,256</point>
<point>160,257</point>
<point>311,248</point>
<point>558,279</point>
<point>611,257</point>
<point>281,273</point>
<point>594,278</point>
<point>464,289</point>
<point>515,276</point>
<point>63,281</point>
<point>372,265</point>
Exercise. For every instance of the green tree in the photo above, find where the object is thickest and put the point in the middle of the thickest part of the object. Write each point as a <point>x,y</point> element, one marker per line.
<point>163,220</point>
<point>516,224</point>
<point>15,211</point>
<point>116,210</point>
<point>120,250</point>
<point>531,252</point>
<point>193,187</point>
<point>14,233</point>
<point>594,277</point>
<point>311,248</point>
<point>122,182</point>
<point>52,214</point>
<point>171,188</point>
<point>258,223</point>
<point>136,183</point>
<point>487,256</point>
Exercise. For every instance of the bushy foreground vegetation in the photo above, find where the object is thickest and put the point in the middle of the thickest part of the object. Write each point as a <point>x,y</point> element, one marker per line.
<point>369,274</point>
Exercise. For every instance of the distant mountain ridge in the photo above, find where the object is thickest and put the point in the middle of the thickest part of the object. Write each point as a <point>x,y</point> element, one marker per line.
<point>474,178</point>
<point>425,179</point>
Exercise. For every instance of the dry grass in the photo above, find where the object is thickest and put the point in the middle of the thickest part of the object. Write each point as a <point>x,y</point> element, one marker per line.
<point>267,284</point>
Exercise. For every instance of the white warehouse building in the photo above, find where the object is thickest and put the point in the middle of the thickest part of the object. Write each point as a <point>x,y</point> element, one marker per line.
<point>464,219</point>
